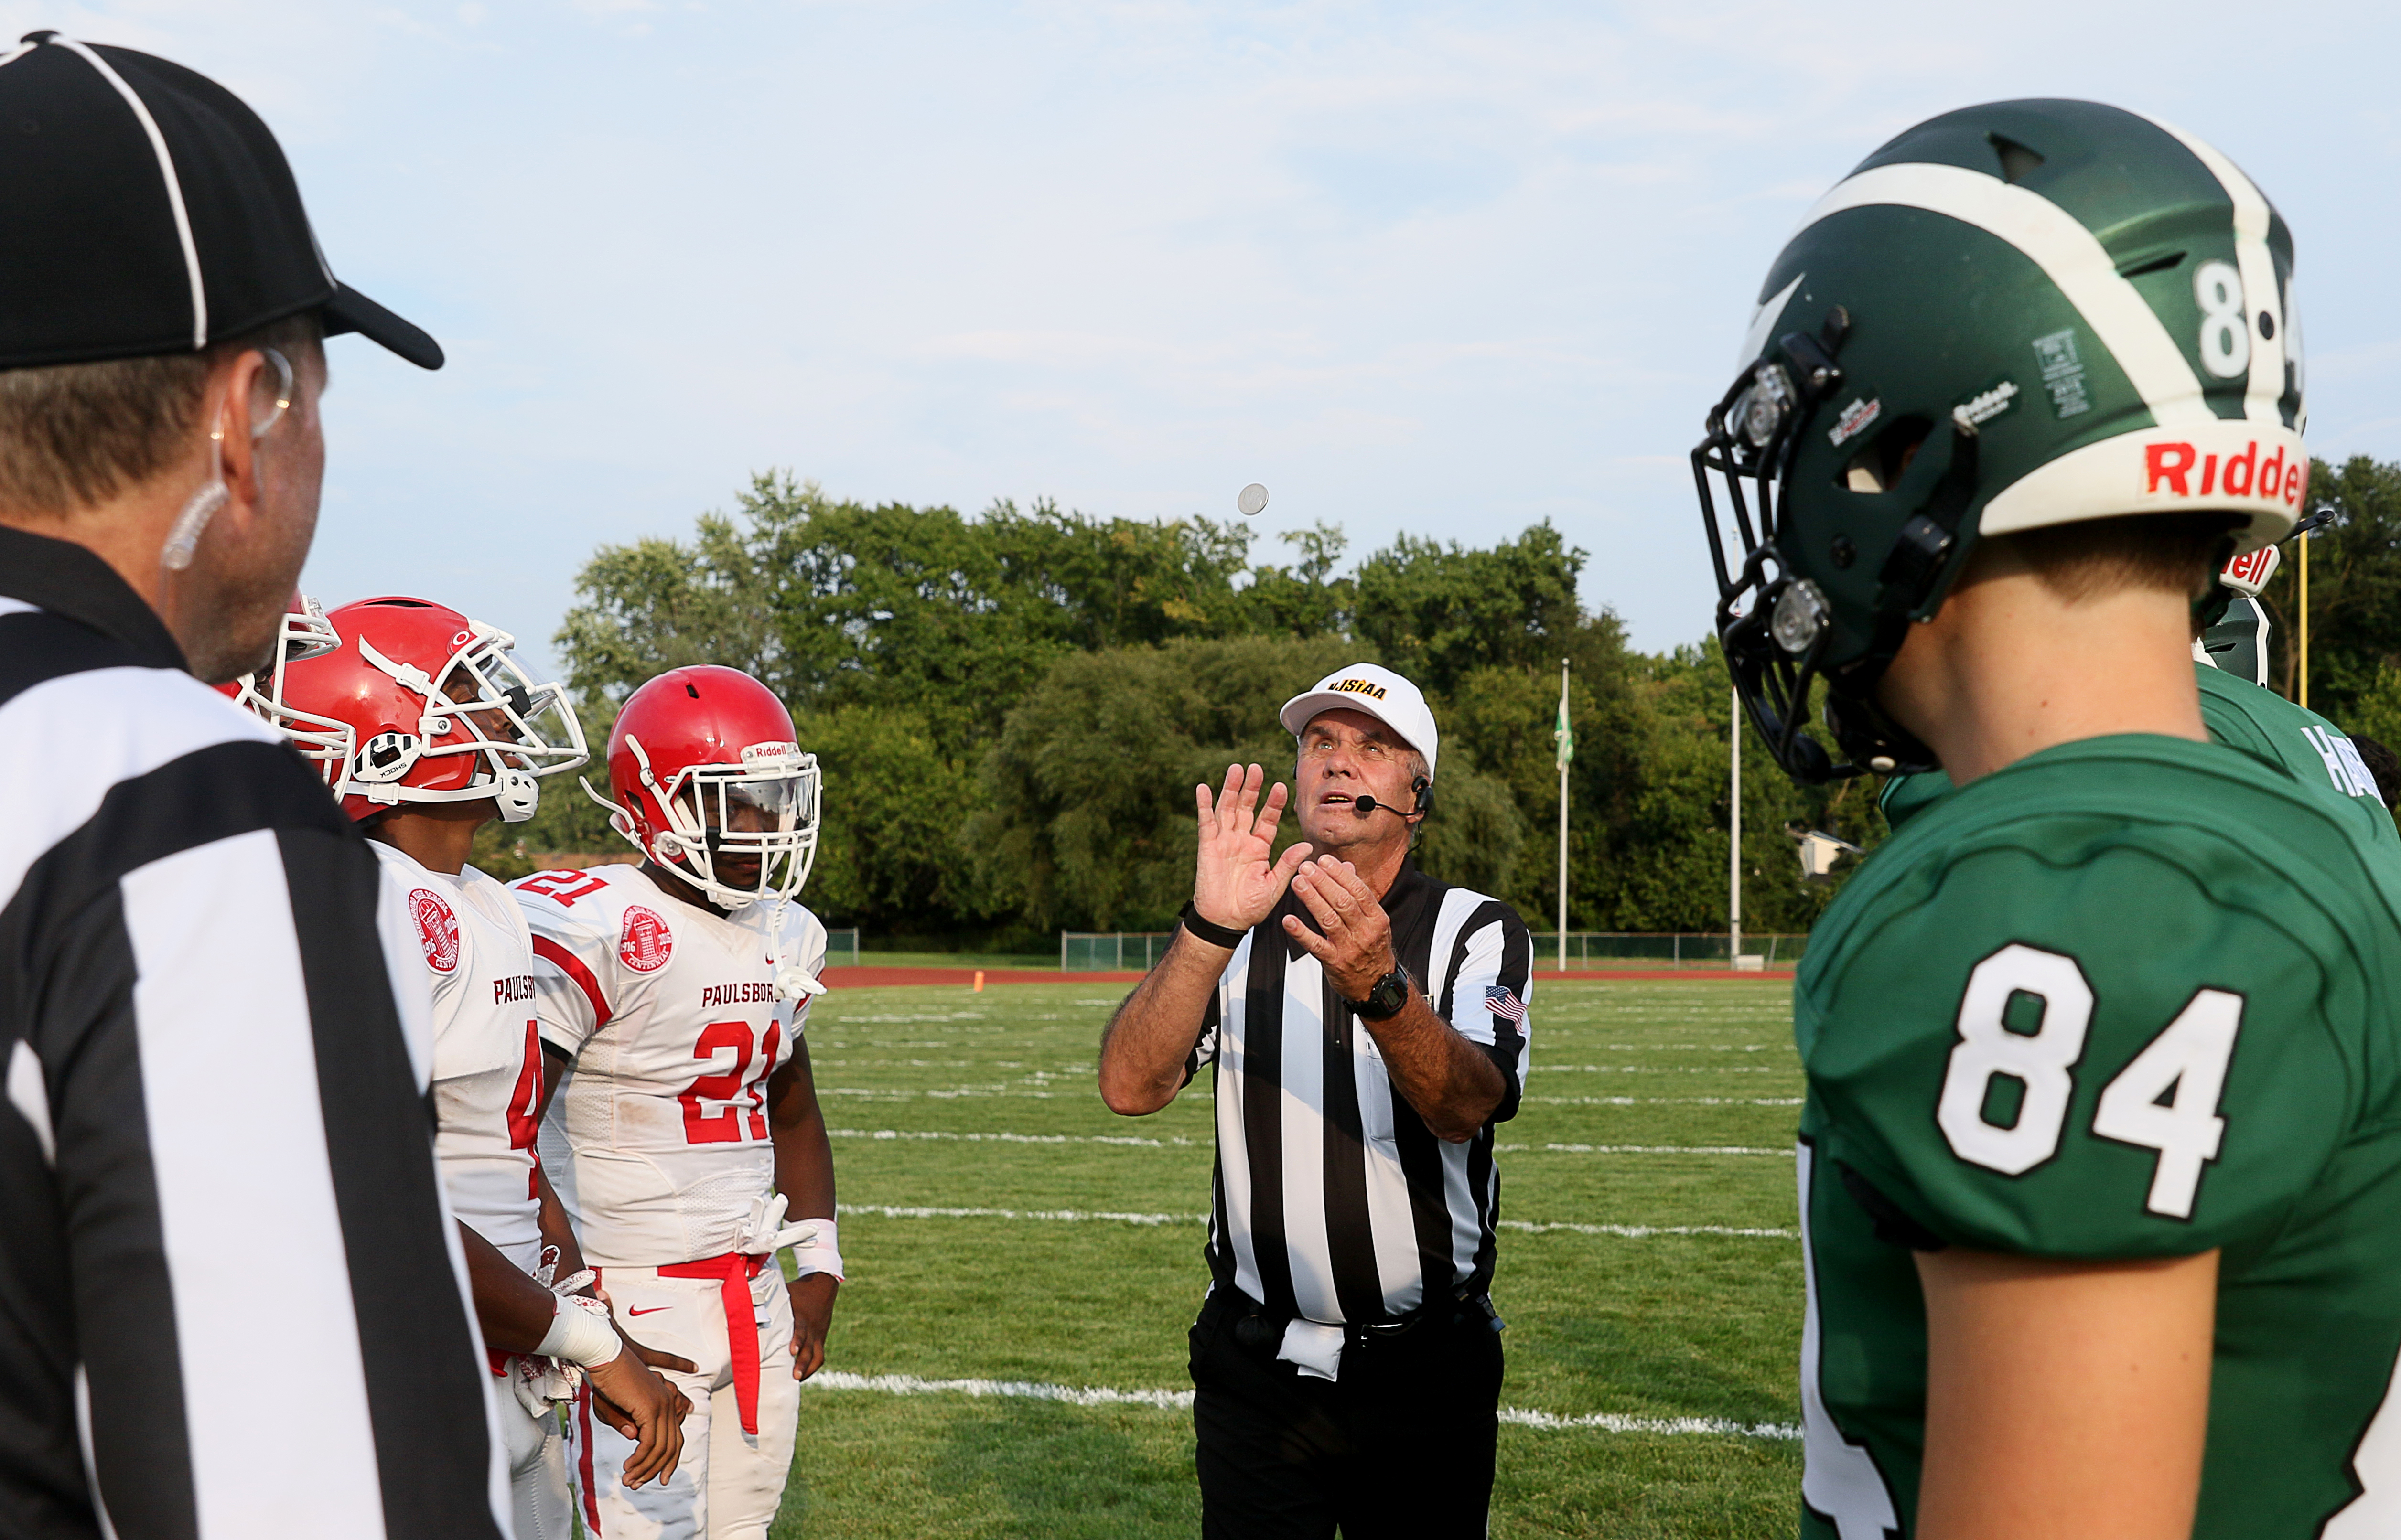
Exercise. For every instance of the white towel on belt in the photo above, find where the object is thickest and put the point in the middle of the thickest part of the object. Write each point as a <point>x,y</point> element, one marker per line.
<point>1313,1348</point>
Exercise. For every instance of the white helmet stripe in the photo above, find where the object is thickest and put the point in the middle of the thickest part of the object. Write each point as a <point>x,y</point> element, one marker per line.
<point>408,675</point>
<point>1763,323</point>
<point>2063,248</point>
<point>2265,387</point>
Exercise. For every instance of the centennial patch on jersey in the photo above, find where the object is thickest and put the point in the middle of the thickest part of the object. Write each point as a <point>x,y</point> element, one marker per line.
<point>646,943</point>
<point>437,929</point>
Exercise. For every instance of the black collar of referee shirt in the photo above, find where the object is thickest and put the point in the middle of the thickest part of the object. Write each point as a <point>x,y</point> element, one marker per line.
<point>1405,904</point>
<point>69,580</point>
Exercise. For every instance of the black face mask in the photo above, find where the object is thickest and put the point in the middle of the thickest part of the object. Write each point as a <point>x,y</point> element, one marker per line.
<point>1777,628</point>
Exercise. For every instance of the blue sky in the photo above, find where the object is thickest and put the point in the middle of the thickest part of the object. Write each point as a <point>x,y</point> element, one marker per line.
<point>1441,269</point>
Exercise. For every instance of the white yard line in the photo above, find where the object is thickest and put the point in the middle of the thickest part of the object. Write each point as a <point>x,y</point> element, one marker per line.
<point>1085,1215</point>
<point>1181,1400</point>
<point>1132,1141</point>
<point>959,1092</point>
<point>1611,1421</point>
<point>1644,1232</point>
<point>1640,1149</point>
<point>1016,1138</point>
<point>1663,1070</point>
<point>1198,1091</point>
<point>1068,1216</point>
<point>1686,1047</point>
<point>1080,1395</point>
<point>1664,1101</point>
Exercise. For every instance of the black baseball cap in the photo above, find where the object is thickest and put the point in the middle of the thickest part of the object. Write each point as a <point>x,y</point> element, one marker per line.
<point>144,209</point>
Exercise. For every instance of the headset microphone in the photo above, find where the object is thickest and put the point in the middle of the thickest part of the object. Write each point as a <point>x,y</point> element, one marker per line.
<point>1421,786</point>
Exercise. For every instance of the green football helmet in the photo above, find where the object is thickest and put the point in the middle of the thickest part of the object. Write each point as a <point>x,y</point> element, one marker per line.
<point>2016,315</point>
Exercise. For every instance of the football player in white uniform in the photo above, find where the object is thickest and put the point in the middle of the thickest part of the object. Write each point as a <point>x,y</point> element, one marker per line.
<point>427,730</point>
<point>672,998</point>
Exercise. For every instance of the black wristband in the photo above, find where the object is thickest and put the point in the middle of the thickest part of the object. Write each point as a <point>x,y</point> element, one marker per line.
<point>1209,931</point>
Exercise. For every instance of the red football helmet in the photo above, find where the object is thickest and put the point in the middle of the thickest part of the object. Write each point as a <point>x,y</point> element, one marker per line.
<point>304,634</point>
<point>431,707</point>
<point>708,773</point>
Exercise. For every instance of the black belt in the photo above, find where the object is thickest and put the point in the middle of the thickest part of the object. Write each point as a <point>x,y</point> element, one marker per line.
<point>1257,1327</point>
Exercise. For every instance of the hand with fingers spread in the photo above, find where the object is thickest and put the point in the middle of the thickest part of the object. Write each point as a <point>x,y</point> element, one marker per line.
<point>1235,883</point>
<point>1356,944</point>
<point>1146,1048</point>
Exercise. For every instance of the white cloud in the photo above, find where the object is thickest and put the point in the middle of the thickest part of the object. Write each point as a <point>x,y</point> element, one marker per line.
<point>1439,268</point>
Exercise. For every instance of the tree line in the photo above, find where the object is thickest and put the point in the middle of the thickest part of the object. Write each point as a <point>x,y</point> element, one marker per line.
<point>2354,602</point>
<point>1011,709</point>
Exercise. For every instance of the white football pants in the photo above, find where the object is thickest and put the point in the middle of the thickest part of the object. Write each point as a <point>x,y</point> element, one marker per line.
<point>730,1481</point>
<point>537,1455</point>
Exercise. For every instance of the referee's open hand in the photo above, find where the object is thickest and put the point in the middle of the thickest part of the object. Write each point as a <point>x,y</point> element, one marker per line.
<point>1234,883</point>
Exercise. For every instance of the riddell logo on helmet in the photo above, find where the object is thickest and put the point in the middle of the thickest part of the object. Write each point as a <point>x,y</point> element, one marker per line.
<point>2182,470</point>
<point>646,943</point>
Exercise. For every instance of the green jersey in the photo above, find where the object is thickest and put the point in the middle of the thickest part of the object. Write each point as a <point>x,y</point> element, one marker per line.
<point>2130,997</point>
<point>2241,715</point>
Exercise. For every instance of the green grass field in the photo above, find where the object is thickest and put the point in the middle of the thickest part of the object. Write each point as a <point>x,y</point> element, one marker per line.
<point>945,1099</point>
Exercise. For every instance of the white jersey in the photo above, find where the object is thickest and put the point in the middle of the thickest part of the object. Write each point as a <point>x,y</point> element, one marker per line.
<point>478,960</point>
<point>674,1015</point>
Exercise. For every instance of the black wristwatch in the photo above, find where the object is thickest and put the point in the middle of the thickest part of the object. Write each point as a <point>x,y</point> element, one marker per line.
<point>1383,1001</point>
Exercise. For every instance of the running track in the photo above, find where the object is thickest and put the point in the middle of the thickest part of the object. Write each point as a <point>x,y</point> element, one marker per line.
<point>874,977</point>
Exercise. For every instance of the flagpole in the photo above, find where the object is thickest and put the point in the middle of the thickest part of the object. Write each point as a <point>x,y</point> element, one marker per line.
<point>1734,837</point>
<point>2304,543</point>
<point>1567,752</point>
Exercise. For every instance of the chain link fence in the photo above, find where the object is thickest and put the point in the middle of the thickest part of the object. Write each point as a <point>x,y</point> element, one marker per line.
<point>1672,949</point>
<point>1111,951</point>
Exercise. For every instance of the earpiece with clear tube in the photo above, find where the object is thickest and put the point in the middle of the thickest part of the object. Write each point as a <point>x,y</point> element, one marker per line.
<point>183,539</point>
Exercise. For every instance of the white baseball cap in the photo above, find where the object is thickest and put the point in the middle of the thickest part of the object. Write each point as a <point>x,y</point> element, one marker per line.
<point>1375,689</point>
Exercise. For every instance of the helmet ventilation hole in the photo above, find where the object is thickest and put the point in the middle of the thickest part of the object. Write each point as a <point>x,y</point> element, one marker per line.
<point>2151,265</point>
<point>691,689</point>
<point>1884,459</point>
<point>2017,161</point>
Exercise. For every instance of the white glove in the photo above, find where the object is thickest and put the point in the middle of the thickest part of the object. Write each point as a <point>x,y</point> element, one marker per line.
<point>543,1379</point>
<point>542,1384</point>
<point>764,1231</point>
<point>794,981</point>
<point>572,1283</point>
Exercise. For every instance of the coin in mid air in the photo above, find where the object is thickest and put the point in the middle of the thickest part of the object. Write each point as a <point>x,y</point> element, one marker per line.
<point>1251,499</point>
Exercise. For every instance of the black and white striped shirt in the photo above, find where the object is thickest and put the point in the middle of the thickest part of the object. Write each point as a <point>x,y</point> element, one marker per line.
<point>1333,1201</point>
<point>229,1303</point>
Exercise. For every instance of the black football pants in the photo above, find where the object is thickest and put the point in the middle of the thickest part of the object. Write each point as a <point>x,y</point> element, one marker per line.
<point>1400,1446</point>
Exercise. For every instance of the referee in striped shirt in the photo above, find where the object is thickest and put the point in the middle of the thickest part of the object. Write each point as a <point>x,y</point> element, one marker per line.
<point>1367,1028</point>
<point>228,1306</point>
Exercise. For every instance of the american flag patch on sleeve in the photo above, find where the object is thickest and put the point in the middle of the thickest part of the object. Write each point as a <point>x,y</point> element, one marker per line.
<point>1502,1002</point>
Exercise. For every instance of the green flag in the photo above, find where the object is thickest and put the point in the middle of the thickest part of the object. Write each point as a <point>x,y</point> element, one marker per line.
<point>1564,734</point>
